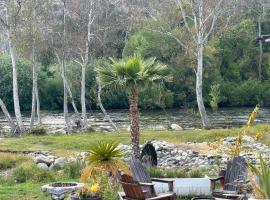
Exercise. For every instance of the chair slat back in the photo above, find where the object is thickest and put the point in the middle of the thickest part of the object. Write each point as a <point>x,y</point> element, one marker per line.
<point>131,188</point>
<point>139,171</point>
<point>236,171</point>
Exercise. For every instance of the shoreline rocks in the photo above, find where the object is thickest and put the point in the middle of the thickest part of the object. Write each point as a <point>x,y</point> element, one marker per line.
<point>168,155</point>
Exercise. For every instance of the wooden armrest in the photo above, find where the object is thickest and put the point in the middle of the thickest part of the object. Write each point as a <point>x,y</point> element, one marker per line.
<point>164,196</point>
<point>216,179</point>
<point>169,181</point>
<point>146,184</point>
<point>162,180</point>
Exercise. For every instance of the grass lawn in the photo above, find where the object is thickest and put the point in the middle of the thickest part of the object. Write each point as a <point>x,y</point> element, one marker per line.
<point>23,191</point>
<point>66,144</point>
<point>62,144</point>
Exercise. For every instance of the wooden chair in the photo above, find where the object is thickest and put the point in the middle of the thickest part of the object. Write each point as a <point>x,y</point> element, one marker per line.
<point>140,174</point>
<point>133,190</point>
<point>235,176</point>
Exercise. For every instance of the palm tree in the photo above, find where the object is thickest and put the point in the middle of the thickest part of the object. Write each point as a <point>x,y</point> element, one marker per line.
<point>105,156</point>
<point>131,75</point>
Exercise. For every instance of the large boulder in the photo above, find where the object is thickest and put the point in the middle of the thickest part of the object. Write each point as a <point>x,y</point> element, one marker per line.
<point>60,163</point>
<point>176,127</point>
<point>42,166</point>
<point>43,159</point>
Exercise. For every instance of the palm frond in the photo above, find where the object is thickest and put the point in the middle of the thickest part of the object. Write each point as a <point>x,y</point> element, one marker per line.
<point>133,72</point>
<point>105,156</point>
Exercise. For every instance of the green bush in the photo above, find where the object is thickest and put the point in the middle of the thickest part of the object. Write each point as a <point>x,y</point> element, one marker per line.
<point>29,171</point>
<point>38,130</point>
<point>74,169</point>
<point>10,160</point>
<point>196,173</point>
<point>7,180</point>
<point>109,187</point>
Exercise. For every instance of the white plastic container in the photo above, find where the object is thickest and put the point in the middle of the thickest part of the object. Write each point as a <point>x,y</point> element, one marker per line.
<point>186,186</point>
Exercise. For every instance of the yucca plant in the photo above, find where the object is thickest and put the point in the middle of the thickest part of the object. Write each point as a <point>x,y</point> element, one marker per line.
<point>105,156</point>
<point>262,181</point>
<point>132,75</point>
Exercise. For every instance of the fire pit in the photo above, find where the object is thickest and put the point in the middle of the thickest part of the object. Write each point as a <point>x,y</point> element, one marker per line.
<point>58,190</point>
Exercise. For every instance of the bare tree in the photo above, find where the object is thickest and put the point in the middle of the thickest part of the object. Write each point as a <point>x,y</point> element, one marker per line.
<point>91,18</point>
<point>102,107</point>
<point>10,26</point>
<point>35,95</point>
<point>8,117</point>
<point>200,23</point>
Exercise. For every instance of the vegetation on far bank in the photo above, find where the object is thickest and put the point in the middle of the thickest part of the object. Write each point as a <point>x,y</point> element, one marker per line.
<point>63,144</point>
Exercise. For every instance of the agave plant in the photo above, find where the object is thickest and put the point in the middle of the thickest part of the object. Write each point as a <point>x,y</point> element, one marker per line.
<point>105,156</point>
<point>262,181</point>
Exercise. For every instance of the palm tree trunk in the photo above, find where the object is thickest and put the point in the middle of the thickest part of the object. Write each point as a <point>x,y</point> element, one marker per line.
<point>134,124</point>
<point>8,117</point>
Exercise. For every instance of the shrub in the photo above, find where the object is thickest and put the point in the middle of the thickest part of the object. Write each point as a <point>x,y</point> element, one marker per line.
<point>215,96</point>
<point>74,169</point>
<point>109,187</point>
<point>176,173</point>
<point>105,156</point>
<point>28,171</point>
<point>7,180</point>
<point>155,172</point>
<point>262,182</point>
<point>38,130</point>
<point>10,160</point>
<point>195,173</point>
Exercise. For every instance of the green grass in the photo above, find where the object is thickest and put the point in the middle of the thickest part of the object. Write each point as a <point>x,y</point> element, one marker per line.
<point>66,144</point>
<point>81,142</point>
<point>23,191</point>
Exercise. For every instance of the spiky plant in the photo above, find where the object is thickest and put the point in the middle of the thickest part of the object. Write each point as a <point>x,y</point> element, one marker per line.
<point>132,75</point>
<point>105,156</point>
<point>262,184</point>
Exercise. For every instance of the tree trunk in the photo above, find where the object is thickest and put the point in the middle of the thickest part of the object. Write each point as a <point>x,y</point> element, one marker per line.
<point>16,100</point>
<point>65,104</point>
<point>199,83</point>
<point>34,76</point>
<point>8,117</point>
<point>38,104</point>
<point>134,124</point>
<point>84,118</point>
<point>103,109</point>
<point>260,47</point>
<point>86,60</point>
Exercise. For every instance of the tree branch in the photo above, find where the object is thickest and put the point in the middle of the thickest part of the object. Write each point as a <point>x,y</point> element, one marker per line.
<point>185,20</point>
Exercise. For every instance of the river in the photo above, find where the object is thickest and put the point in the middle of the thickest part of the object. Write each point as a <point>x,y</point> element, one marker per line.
<point>224,117</point>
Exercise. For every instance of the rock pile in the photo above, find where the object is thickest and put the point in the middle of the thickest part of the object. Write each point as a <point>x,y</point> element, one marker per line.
<point>46,160</point>
<point>168,155</point>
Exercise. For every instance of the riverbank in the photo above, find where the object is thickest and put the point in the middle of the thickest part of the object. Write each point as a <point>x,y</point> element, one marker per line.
<point>70,145</point>
<point>62,144</point>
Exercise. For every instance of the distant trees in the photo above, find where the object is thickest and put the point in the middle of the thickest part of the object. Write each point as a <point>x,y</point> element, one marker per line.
<point>12,10</point>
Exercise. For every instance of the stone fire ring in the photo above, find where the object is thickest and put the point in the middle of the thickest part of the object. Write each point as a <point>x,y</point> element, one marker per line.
<point>62,187</point>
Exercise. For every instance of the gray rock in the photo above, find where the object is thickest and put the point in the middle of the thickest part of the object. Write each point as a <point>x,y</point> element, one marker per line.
<point>42,166</point>
<point>176,127</point>
<point>43,159</point>
<point>59,163</point>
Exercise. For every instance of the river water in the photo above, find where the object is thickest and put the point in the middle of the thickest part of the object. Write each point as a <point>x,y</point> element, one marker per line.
<point>188,119</point>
